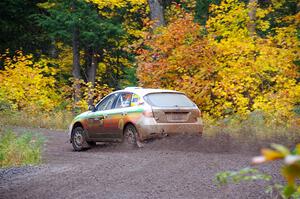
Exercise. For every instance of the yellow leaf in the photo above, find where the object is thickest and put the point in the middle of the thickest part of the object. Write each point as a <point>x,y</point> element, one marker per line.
<point>271,154</point>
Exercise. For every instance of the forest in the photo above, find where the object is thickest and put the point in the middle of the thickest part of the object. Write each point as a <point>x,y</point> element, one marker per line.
<point>233,58</point>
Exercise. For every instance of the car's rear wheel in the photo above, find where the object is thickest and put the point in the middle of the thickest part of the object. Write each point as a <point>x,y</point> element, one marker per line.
<point>130,136</point>
<point>79,142</point>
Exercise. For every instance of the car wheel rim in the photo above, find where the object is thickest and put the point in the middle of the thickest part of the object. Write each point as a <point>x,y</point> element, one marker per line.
<point>130,136</point>
<point>78,139</point>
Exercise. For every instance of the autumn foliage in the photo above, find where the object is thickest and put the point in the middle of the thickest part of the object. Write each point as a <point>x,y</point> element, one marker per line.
<point>28,84</point>
<point>233,65</point>
<point>224,67</point>
<point>32,86</point>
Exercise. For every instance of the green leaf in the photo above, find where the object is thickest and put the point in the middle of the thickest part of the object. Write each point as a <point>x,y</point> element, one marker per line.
<point>289,191</point>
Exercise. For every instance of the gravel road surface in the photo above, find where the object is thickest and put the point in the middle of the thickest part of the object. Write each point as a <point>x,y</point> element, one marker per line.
<point>178,167</point>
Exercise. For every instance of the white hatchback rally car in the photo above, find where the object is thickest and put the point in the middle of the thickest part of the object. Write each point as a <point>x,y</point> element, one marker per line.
<point>135,114</point>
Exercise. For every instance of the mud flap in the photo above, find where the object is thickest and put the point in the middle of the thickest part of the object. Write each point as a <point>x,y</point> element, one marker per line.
<point>84,143</point>
<point>139,144</point>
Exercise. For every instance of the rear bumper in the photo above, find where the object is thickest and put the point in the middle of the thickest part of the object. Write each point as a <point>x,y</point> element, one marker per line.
<point>152,129</point>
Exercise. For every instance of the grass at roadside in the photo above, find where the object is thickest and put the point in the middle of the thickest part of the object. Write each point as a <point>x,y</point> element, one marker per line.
<point>251,134</point>
<point>19,150</point>
<point>51,120</point>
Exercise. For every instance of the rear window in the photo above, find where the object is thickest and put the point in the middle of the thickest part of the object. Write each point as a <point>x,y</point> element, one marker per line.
<point>168,100</point>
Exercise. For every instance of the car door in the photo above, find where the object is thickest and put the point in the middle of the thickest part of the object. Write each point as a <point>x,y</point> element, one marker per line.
<point>96,120</point>
<point>114,121</point>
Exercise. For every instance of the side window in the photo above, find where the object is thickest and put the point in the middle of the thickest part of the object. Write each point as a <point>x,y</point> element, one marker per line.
<point>124,100</point>
<point>107,103</point>
<point>135,100</point>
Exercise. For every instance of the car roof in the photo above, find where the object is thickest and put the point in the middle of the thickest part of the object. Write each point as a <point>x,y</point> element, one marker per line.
<point>144,91</point>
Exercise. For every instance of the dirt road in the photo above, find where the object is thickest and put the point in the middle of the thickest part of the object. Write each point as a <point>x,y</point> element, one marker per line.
<point>168,168</point>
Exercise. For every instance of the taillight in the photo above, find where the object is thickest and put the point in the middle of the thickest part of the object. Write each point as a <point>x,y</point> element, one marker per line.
<point>148,113</point>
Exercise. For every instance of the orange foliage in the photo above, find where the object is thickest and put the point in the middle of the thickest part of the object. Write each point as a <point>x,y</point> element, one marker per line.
<point>227,70</point>
<point>177,59</point>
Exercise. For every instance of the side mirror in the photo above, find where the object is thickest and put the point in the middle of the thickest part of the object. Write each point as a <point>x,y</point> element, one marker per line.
<point>91,108</point>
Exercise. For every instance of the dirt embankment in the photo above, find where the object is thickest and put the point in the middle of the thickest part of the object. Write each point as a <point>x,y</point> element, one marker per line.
<point>179,167</point>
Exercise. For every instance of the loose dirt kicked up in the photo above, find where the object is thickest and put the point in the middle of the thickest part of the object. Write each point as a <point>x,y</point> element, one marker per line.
<point>179,167</point>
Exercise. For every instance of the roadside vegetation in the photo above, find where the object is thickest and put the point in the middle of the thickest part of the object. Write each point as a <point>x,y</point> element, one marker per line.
<point>50,120</point>
<point>20,150</point>
<point>290,170</point>
<point>253,133</point>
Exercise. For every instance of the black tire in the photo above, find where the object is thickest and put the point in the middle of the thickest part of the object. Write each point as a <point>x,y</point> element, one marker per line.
<point>78,138</point>
<point>130,136</point>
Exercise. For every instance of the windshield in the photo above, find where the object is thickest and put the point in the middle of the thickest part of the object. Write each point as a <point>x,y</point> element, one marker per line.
<point>168,100</point>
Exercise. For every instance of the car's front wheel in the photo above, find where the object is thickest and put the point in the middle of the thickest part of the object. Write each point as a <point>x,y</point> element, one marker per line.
<point>79,142</point>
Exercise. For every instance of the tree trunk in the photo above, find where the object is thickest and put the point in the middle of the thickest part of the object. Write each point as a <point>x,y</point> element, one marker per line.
<point>53,51</point>
<point>252,6</point>
<point>91,74</point>
<point>76,63</point>
<point>92,69</point>
<point>156,13</point>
